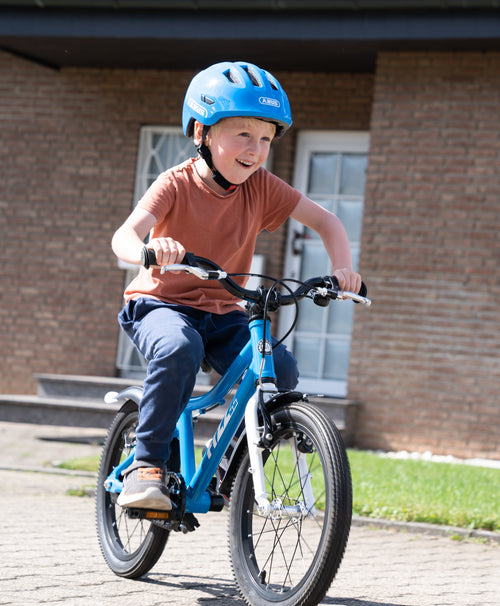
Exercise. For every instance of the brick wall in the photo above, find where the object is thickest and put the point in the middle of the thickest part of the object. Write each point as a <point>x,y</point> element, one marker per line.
<point>426,361</point>
<point>68,155</point>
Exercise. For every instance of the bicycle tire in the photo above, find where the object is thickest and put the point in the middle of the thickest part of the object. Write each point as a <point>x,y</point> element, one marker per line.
<point>130,547</point>
<point>286,560</point>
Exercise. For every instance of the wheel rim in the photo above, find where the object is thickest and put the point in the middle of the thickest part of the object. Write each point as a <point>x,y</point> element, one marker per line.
<point>281,549</point>
<point>125,536</point>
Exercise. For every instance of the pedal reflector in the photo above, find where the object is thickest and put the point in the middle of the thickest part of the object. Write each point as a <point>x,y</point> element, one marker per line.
<point>157,515</point>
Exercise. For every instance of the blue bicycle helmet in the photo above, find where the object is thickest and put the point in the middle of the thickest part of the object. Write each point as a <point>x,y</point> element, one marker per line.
<point>235,89</point>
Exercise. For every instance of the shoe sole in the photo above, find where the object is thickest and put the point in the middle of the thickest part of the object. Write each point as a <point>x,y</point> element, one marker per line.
<point>151,498</point>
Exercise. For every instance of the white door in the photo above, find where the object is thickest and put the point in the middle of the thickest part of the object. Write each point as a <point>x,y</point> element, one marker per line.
<point>330,169</point>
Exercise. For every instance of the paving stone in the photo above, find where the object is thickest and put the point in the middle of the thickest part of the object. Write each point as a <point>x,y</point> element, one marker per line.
<point>50,554</point>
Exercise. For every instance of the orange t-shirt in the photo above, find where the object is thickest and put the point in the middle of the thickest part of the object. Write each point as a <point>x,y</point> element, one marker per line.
<point>221,228</point>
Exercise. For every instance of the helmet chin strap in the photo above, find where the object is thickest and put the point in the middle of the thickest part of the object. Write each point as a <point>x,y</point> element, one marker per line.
<point>206,154</point>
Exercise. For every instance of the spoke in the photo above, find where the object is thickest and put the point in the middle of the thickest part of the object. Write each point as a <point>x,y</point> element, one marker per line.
<point>279,530</point>
<point>284,558</point>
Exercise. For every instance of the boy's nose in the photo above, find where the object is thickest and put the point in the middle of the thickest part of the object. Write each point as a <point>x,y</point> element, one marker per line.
<point>253,147</point>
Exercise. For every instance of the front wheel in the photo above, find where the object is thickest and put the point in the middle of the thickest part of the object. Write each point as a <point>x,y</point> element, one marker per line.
<point>131,547</point>
<point>291,555</point>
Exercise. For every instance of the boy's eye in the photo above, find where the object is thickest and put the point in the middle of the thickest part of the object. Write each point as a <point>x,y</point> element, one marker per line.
<point>266,139</point>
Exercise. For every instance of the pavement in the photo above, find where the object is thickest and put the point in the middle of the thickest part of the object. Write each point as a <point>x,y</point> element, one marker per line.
<point>49,552</point>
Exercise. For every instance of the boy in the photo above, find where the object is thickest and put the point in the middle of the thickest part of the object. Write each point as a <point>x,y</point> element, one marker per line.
<point>213,206</point>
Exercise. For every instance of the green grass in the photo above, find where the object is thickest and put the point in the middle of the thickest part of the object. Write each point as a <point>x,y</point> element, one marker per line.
<point>424,491</point>
<point>410,490</point>
<point>81,464</point>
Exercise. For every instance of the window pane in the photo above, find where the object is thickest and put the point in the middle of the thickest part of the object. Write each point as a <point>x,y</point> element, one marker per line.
<point>154,168</point>
<point>337,359</point>
<point>310,317</point>
<point>340,317</point>
<point>352,180</point>
<point>307,353</point>
<point>351,215</point>
<point>315,261</point>
<point>179,149</point>
<point>323,173</point>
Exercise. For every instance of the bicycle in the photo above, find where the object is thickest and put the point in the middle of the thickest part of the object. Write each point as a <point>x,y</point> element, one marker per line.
<point>278,462</point>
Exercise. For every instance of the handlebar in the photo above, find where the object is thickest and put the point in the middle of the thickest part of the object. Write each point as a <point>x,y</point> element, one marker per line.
<point>320,289</point>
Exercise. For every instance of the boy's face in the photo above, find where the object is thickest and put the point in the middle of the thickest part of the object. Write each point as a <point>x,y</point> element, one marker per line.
<point>240,146</point>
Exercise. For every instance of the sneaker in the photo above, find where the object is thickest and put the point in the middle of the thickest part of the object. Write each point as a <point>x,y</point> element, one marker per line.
<point>143,488</point>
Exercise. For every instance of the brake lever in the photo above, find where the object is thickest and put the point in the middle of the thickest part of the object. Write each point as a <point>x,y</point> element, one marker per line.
<point>345,294</point>
<point>334,292</point>
<point>199,272</point>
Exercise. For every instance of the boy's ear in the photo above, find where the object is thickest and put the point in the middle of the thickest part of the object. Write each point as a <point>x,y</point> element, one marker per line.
<point>197,132</point>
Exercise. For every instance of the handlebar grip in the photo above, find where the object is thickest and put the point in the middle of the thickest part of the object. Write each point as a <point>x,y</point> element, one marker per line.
<point>148,258</point>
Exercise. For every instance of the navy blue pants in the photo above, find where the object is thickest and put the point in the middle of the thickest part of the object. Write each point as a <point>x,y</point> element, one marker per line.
<point>174,340</point>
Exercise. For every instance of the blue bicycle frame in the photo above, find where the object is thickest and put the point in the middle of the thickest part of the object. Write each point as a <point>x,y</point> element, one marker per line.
<point>253,363</point>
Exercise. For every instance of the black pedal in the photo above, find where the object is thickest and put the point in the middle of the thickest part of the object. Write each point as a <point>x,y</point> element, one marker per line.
<point>176,519</point>
<point>170,520</point>
<point>172,516</point>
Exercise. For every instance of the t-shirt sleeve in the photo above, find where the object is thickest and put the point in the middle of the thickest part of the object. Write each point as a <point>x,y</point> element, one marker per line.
<point>158,198</point>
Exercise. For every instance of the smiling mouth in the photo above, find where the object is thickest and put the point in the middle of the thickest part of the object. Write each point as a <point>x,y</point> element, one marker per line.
<point>245,164</point>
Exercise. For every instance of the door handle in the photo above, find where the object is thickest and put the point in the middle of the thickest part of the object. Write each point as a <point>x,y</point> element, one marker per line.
<point>298,242</point>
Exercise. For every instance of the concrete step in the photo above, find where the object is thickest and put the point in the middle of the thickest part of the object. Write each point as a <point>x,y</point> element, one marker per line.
<point>78,387</point>
<point>78,401</point>
<point>70,412</point>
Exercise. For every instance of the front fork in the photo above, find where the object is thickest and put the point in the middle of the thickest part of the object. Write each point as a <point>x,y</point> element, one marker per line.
<point>256,448</point>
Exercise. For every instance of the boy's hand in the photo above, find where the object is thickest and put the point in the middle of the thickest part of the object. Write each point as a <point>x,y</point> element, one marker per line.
<point>167,250</point>
<point>348,279</point>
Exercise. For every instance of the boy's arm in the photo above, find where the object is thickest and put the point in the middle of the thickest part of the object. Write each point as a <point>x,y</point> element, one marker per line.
<point>331,231</point>
<point>128,240</point>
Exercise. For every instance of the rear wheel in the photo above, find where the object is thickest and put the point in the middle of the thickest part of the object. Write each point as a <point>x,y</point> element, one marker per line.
<point>131,547</point>
<point>291,555</point>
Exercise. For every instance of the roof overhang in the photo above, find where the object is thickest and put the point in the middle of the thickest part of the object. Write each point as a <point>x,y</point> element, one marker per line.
<point>314,35</point>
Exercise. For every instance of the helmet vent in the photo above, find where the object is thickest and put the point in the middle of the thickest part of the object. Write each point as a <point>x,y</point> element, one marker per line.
<point>272,82</point>
<point>207,100</point>
<point>254,78</point>
<point>233,76</point>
